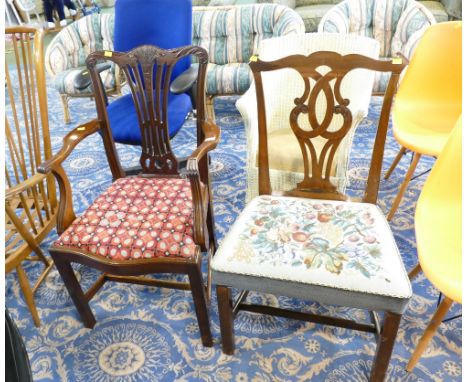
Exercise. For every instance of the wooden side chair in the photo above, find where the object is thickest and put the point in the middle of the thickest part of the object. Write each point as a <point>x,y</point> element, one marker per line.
<point>159,221</point>
<point>313,242</point>
<point>30,198</point>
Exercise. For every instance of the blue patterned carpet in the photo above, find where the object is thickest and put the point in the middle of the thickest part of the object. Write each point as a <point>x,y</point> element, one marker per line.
<point>149,334</point>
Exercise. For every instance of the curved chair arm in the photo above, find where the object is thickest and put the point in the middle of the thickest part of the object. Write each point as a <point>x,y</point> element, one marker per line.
<point>211,134</point>
<point>69,143</point>
<point>66,215</point>
<point>23,186</point>
<point>201,193</point>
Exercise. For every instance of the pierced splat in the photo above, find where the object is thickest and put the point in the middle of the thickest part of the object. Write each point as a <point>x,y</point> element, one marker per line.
<point>148,71</point>
<point>323,73</point>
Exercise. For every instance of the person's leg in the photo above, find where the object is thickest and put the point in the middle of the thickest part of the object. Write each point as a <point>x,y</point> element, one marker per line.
<point>59,7</point>
<point>48,8</point>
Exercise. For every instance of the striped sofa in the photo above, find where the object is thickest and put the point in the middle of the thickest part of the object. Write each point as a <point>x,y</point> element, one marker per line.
<point>66,54</point>
<point>396,24</point>
<point>312,11</point>
<point>231,35</point>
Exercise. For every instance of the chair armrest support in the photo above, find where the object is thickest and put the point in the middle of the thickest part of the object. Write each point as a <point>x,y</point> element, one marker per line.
<point>184,81</point>
<point>69,143</point>
<point>211,134</point>
<point>66,215</point>
<point>201,192</point>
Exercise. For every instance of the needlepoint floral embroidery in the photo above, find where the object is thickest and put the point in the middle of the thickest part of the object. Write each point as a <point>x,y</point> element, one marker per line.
<point>311,234</point>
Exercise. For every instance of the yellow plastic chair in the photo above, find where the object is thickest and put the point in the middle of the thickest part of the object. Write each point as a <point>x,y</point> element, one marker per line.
<point>429,99</point>
<point>438,233</point>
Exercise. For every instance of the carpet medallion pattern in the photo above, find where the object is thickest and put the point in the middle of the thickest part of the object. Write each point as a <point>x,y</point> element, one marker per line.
<point>149,334</point>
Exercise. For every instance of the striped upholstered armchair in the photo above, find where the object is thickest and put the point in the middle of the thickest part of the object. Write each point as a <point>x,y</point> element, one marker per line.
<point>231,35</point>
<point>396,24</point>
<point>65,56</point>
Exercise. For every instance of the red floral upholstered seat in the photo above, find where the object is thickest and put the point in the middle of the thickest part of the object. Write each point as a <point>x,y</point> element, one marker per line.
<point>136,218</point>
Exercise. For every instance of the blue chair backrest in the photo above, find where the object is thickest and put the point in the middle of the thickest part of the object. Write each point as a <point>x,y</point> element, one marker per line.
<point>164,23</point>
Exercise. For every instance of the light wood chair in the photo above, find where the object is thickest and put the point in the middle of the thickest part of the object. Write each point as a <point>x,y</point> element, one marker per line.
<point>30,197</point>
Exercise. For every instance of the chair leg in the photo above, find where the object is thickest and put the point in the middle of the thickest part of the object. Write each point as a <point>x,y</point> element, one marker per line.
<point>415,271</point>
<point>226,318</point>
<point>385,346</point>
<point>429,332</point>
<point>201,305</point>
<point>395,162</point>
<point>211,225</point>
<point>210,108</point>
<point>66,110</point>
<point>28,295</point>
<point>76,293</point>
<point>404,186</point>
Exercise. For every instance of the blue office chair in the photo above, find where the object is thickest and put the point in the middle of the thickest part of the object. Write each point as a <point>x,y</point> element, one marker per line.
<point>166,24</point>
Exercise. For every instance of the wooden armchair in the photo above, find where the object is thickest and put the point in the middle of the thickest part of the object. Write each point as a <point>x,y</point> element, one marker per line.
<point>159,221</point>
<point>313,242</point>
<point>30,198</point>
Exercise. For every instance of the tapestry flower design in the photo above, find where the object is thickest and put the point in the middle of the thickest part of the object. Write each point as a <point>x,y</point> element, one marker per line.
<point>311,234</point>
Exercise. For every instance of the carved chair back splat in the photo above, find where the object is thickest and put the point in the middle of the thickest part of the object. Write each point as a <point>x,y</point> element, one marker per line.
<point>148,72</point>
<point>317,165</point>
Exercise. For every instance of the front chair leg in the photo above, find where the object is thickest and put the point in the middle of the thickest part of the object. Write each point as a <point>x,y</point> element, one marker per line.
<point>226,318</point>
<point>66,109</point>
<point>76,293</point>
<point>201,305</point>
<point>28,294</point>
<point>385,346</point>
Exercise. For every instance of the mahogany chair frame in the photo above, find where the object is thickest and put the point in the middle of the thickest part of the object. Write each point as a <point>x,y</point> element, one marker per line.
<point>317,168</point>
<point>30,198</point>
<point>147,70</point>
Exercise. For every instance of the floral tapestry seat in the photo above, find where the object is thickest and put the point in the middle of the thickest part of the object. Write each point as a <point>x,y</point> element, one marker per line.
<point>344,250</point>
<point>136,218</point>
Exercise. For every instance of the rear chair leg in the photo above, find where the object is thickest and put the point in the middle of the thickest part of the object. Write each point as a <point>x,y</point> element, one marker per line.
<point>404,186</point>
<point>395,162</point>
<point>28,295</point>
<point>201,305</point>
<point>76,293</point>
<point>226,318</point>
<point>385,346</point>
